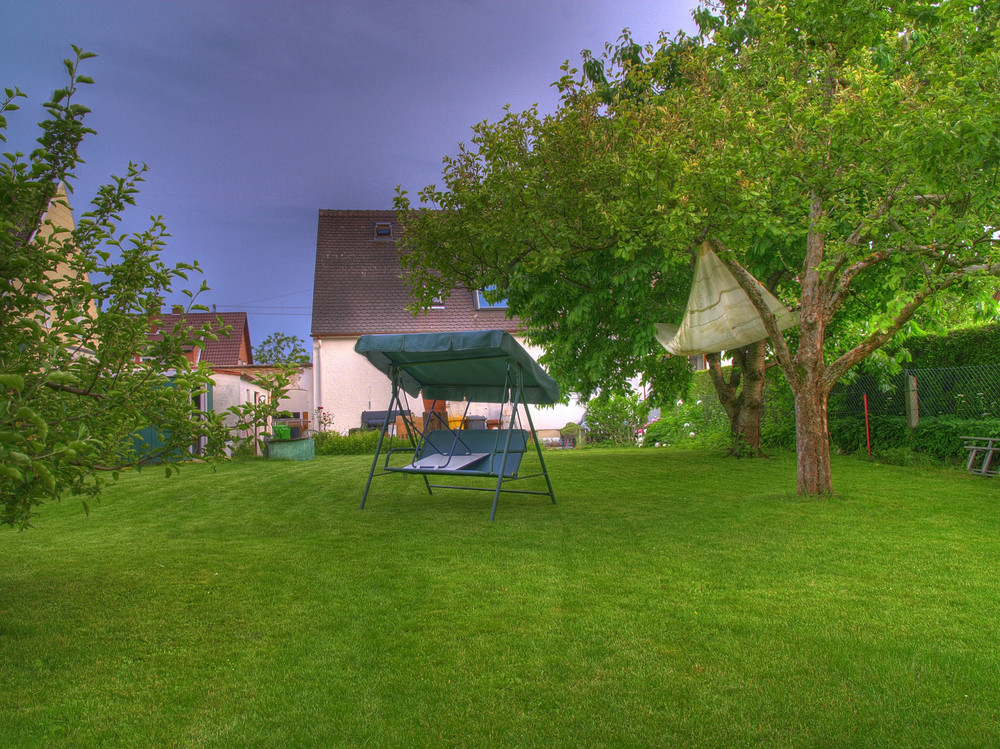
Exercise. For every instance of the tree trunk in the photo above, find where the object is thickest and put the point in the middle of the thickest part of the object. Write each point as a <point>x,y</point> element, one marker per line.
<point>742,396</point>
<point>808,380</point>
<point>812,438</point>
<point>746,431</point>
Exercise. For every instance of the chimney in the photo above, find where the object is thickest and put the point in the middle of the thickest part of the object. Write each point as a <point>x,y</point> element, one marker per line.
<point>178,309</point>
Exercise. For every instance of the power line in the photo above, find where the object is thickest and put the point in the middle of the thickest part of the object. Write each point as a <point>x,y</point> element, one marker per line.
<point>266,306</point>
<point>266,299</point>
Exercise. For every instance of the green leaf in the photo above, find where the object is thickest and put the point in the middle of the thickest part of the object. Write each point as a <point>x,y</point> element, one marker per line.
<point>43,473</point>
<point>60,377</point>
<point>28,414</point>
<point>12,382</point>
<point>10,472</point>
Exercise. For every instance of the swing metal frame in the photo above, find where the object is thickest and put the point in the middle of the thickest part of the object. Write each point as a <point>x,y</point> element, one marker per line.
<point>461,453</point>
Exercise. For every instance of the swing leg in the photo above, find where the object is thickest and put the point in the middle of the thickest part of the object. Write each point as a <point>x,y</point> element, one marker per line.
<point>378,450</point>
<point>496,497</point>
<point>538,449</point>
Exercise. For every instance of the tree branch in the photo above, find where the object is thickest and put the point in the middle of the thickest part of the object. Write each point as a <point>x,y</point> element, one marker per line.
<point>841,365</point>
<point>844,284</point>
<point>750,285</point>
<point>74,390</point>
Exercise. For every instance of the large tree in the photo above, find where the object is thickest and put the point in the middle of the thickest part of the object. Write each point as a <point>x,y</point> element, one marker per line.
<point>847,150</point>
<point>861,140</point>
<point>80,376</point>
<point>563,216</point>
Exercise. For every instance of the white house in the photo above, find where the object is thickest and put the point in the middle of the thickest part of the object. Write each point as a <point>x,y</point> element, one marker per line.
<point>359,290</point>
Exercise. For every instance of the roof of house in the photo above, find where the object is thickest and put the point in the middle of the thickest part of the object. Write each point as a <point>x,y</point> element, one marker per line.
<point>359,287</point>
<point>224,352</point>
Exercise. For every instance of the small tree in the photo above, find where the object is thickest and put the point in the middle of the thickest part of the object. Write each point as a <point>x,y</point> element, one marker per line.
<point>79,373</point>
<point>616,417</point>
<point>280,348</point>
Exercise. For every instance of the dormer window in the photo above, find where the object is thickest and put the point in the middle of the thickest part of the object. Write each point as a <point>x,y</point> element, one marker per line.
<point>483,303</point>
<point>383,230</point>
<point>437,303</point>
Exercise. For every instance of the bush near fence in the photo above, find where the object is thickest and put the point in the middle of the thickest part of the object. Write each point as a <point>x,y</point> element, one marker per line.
<point>952,402</point>
<point>699,422</point>
<point>938,437</point>
<point>956,347</point>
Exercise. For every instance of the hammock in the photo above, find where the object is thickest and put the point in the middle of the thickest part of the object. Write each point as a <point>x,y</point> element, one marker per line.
<point>719,314</point>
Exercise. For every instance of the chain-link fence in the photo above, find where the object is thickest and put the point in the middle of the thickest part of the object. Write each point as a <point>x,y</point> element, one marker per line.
<point>895,404</point>
<point>965,392</point>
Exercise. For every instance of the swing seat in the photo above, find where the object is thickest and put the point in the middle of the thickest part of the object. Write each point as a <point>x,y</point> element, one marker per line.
<point>468,452</point>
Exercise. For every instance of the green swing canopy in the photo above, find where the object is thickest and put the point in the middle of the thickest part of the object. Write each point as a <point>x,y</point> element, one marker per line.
<point>469,365</point>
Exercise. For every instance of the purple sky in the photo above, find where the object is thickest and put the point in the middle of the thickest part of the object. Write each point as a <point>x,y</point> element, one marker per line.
<point>252,116</point>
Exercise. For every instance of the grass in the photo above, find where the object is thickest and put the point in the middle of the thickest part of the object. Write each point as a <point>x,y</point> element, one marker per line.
<point>670,598</point>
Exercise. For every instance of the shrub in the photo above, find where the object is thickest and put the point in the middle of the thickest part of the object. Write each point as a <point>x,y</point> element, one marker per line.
<point>936,438</point>
<point>941,436</point>
<point>847,433</point>
<point>360,443</point>
<point>616,417</point>
<point>701,423</point>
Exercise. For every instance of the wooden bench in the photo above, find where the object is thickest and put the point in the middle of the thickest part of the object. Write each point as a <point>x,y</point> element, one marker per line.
<point>981,452</point>
<point>468,452</point>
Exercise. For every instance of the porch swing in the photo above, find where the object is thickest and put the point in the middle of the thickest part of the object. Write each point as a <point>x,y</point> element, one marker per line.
<point>487,366</point>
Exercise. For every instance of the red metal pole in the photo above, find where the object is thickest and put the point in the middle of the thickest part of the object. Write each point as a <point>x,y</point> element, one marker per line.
<point>868,433</point>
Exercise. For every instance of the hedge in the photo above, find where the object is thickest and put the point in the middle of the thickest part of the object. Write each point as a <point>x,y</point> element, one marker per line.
<point>361,442</point>
<point>956,348</point>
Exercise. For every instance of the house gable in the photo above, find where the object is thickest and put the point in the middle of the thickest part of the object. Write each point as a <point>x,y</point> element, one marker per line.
<point>227,351</point>
<point>359,288</point>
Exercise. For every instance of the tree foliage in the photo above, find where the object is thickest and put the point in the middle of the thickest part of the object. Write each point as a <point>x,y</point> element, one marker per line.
<point>79,374</point>
<point>281,348</point>
<point>556,214</point>
<point>862,142</point>
<point>616,417</point>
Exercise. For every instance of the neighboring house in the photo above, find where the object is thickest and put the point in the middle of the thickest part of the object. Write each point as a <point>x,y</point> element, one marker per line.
<point>359,290</point>
<point>233,368</point>
<point>56,224</point>
<point>236,385</point>
<point>229,350</point>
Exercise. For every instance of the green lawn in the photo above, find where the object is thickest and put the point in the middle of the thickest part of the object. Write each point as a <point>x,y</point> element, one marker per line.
<point>670,598</point>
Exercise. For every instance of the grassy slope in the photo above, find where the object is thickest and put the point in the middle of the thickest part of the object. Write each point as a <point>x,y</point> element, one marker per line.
<point>669,598</point>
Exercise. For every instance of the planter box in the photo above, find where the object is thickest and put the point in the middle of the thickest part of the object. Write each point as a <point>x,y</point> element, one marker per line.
<point>300,449</point>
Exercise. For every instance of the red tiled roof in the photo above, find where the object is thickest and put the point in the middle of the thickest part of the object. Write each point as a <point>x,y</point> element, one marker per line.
<point>223,352</point>
<point>359,287</point>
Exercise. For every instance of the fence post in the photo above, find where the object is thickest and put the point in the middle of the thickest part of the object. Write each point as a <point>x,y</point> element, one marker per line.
<point>912,402</point>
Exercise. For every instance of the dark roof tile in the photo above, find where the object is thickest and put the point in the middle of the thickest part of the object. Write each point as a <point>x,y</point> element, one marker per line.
<point>223,352</point>
<point>359,285</point>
